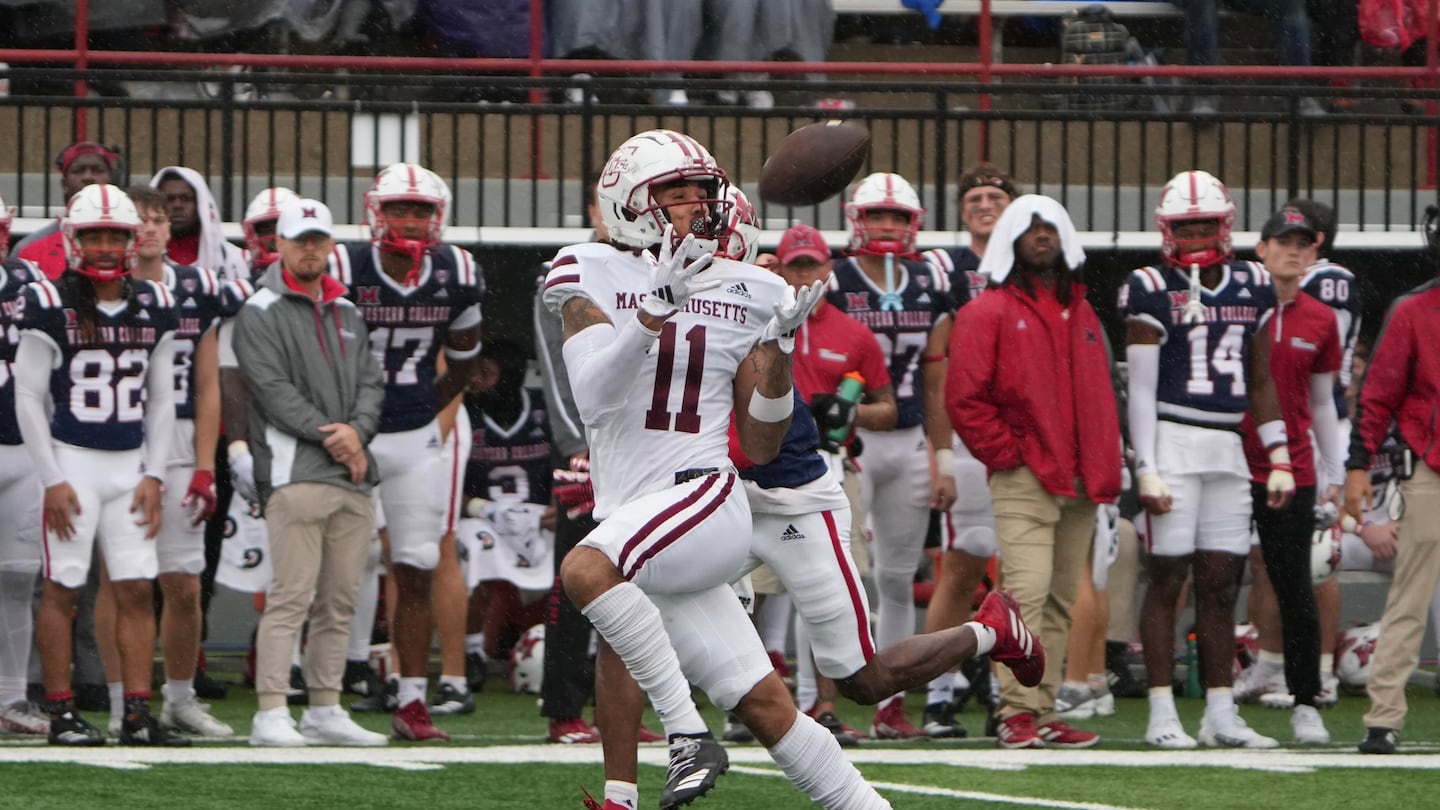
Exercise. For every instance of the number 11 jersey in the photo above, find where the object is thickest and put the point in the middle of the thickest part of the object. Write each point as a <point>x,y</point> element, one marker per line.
<point>1202,365</point>
<point>678,411</point>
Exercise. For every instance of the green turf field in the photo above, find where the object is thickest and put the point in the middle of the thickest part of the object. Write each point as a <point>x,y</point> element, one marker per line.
<point>499,759</point>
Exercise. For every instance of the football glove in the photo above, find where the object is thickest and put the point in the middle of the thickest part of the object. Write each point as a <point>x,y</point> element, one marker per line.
<point>832,413</point>
<point>790,312</point>
<point>573,489</point>
<point>200,497</point>
<point>242,473</point>
<point>672,276</point>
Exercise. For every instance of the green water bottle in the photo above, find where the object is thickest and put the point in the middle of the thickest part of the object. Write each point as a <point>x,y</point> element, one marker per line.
<point>1192,668</point>
<point>851,387</point>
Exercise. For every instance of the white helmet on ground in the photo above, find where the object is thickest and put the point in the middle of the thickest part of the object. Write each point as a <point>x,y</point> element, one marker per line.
<point>100,206</point>
<point>413,183</point>
<point>1193,196</point>
<point>1353,654</point>
<point>883,191</point>
<point>659,157</point>
<point>528,661</point>
<point>265,207</point>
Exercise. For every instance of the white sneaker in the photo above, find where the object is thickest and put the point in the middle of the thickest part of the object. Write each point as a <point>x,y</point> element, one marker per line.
<point>330,725</point>
<point>1260,679</point>
<point>24,717</point>
<point>1309,728</point>
<point>113,727</point>
<point>1329,691</point>
<point>1170,735</point>
<point>1234,735</point>
<point>275,728</point>
<point>193,718</point>
<point>1104,704</point>
<point>1073,703</point>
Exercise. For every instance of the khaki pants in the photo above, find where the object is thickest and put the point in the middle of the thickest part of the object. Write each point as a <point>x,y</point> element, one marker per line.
<point>1417,570</point>
<point>1043,542</point>
<point>319,538</point>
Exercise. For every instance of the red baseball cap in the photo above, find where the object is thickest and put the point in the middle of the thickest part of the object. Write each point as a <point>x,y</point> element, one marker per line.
<point>802,240</point>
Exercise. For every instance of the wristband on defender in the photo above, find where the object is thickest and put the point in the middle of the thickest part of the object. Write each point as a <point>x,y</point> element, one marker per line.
<point>1280,458</point>
<point>765,409</point>
<point>1272,433</point>
<point>945,462</point>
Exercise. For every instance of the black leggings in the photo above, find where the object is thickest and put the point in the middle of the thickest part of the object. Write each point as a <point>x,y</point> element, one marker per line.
<point>1285,544</point>
<point>569,676</point>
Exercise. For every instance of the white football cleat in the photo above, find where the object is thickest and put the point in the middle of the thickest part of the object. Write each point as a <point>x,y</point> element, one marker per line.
<point>1169,735</point>
<point>24,717</point>
<point>1309,728</point>
<point>1234,735</point>
<point>193,718</point>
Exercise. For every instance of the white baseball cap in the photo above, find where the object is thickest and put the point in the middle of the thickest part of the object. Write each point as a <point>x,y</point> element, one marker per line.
<point>302,216</point>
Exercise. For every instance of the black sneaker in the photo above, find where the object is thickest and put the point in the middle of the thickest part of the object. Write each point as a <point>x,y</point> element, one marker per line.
<point>476,670</point>
<point>360,678</point>
<point>449,700</point>
<point>299,693</point>
<point>735,731</point>
<point>976,670</point>
<point>144,729</point>
<point>1378,739</point>
<point>207,688</point>
<point>385,700</point>
<point>835,727</point>
<point>1123,683</point>
<point>71,729</point>
<point>939,722</point>
<point>695,763</point>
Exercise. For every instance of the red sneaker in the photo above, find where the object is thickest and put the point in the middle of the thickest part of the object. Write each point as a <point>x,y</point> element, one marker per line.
<point>1018,731</point>
<point>1015,646</point>
<point>1061,735</point>
<point>892,724</point>
<point>645,735</point>
<point>412,722</point>
<point>572,731</point>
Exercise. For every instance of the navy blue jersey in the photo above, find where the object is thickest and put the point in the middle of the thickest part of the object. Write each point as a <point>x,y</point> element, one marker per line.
<point>901,320</point>
<point>798,463</point>
<point>14,275</point>
<point>1202,365</point>
<point>99,387</point>
<point>1334,286</point>
<point>409,325</point>
<point>962,267</point>
<point>510,462</point>
<point>198,302</point>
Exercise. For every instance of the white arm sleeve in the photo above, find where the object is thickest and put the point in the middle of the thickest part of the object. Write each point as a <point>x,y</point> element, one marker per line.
<point>160,406</point>
<point>1325,422</point>
<point>1144,363</point>
<point>602,362</point>
<point>34,360</point>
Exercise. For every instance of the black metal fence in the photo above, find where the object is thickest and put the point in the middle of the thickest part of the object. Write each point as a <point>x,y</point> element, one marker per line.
<point>514,151</point>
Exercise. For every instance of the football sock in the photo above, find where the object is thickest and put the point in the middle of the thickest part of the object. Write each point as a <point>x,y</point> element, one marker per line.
<point>625,794</point>
<point>362,624</point>
<point>411,689</point>
<point>1162,704</point>
<point>475,643</point>
<point>774,621</point>
<point>1098,682</point>
<point>117,699</point>
<point>178,691</point>
<point>1220,707</point>
<point>942,689</point>
<point>811,758</point>
<point>1079,686</point>
<point>1327,664</point>
<point>16,631</point>
<point>631,624</point>
<point>456,682</point>
<point>984,637</point>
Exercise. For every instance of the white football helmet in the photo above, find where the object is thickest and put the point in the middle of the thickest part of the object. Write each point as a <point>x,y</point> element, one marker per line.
<point>7,214</point>
<point>1188,197</point>
<point>100,206</point>
<point>659,157</point>
<point>264,208</point>
<point>406,182</point>
<point>1324,553</point>
<point>528,661</point>
<point>883,191</point>
<point>1353,654</point>
<point>742,228</point>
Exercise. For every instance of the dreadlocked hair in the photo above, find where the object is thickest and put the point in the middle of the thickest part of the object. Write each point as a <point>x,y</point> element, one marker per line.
<point>1065,280</point>
<point>80,292</point>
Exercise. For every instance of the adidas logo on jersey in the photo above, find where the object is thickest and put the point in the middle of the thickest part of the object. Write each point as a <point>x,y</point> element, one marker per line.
<point>739,289</point>
<point>791,533</point>
<point>188,303</point>
<point>442,293</point>
<point>143,316</point>
<point>1244,293</point>
<point>924,298</point>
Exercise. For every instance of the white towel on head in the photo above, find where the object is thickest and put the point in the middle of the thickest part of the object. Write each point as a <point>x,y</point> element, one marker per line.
<point>1000,252</point>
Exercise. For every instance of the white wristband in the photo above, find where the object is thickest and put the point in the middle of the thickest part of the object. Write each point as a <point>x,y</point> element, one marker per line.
<point>236,448</point>
<point>945,462</point>
<point>765,409</point>
<point>1272,433</point>
<point>461,354</point>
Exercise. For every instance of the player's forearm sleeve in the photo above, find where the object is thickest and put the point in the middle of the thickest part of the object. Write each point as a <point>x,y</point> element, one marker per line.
<point>160,406</point>
<point>1325,421</point>
<point>1144,363</point>
<point>565,425</point>
<point>603,362</point>
<point>33,360</point>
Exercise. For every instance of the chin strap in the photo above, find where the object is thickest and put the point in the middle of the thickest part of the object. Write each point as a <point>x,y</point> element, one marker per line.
<point>1194,306</point>
<point>413,249</point>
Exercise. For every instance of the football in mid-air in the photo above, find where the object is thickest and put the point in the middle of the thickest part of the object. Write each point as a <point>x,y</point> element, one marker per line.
<point>814,163</point>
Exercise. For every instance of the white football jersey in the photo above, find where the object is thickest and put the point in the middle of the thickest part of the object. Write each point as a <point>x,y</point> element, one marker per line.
<point>677,415</point>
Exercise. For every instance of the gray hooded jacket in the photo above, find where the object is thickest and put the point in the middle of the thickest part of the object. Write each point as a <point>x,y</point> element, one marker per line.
<point>307,363</point>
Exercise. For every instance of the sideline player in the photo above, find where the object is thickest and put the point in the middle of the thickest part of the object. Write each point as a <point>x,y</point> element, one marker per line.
<point>1194,373</point>
<point>196,235</point>
<point>657,350</point>
<point>259,227</point>
<point>882,284</point>
<point>89,394</point>
<point>81,164</point>
<point>416,294</point>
